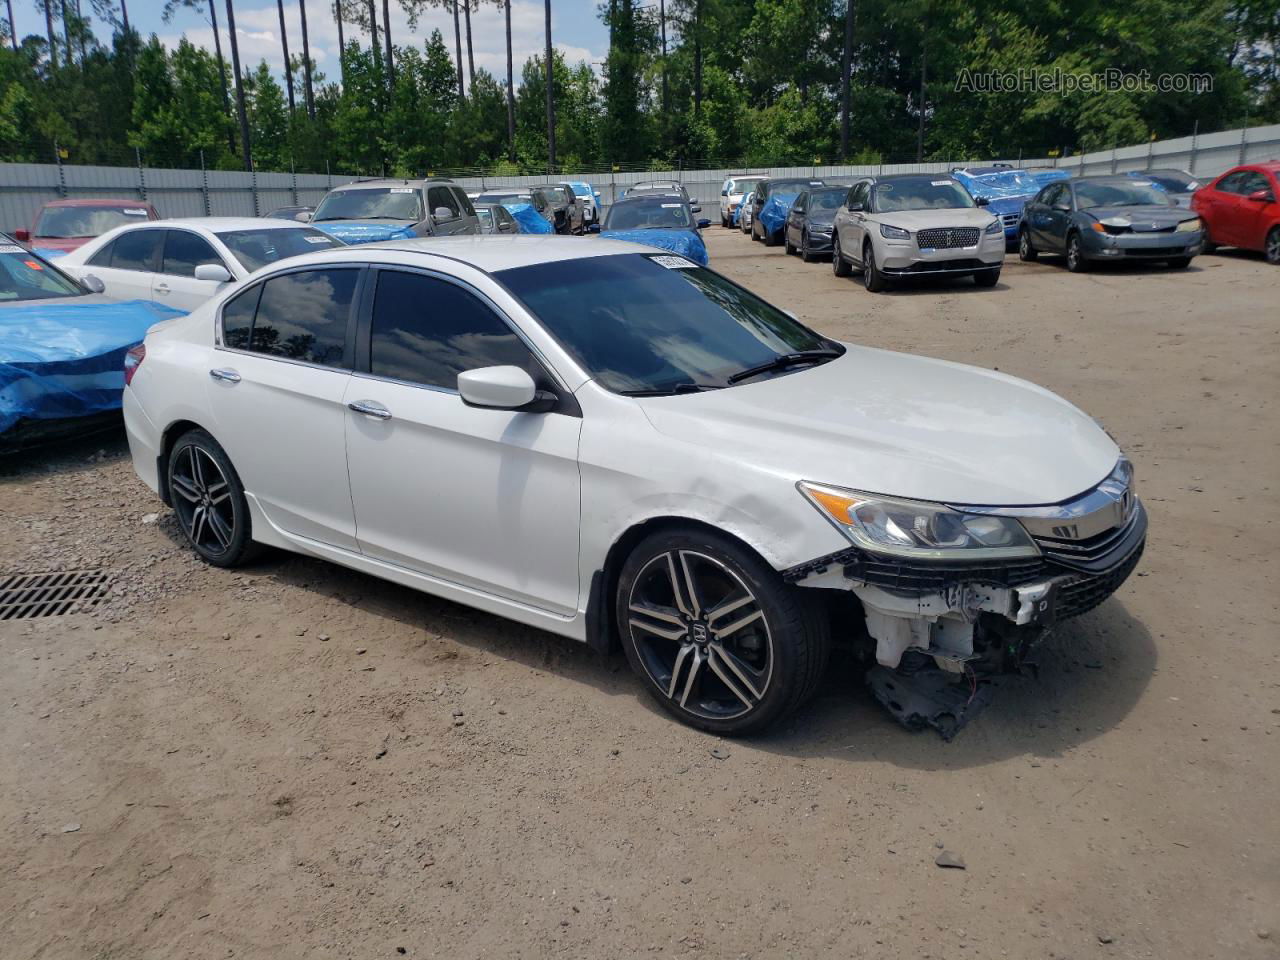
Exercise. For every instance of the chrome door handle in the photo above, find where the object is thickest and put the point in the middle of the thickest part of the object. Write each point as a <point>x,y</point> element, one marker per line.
<point>162,287</point>
<point>370,408</point>
<point>225,374</point>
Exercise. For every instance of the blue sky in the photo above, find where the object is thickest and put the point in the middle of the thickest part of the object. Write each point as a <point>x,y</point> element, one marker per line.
<point>575,26</point>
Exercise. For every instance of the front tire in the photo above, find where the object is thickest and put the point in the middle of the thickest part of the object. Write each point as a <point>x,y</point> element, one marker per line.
<point>1271,246</point>
<point>872,278</point>
<point>715,635</point>
<point>1026,251</point>
<point>839,265</point>
<point>786,244</point>
<point>209,501</point>
<point>1076,261</point>
<point>770,238</point>
<point>805,254</point>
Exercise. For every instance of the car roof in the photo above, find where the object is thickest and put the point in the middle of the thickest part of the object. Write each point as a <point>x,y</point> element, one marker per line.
<point>104,202</point>
<point>486,252</point>
<point>651,196</point>
<point>218,224</point>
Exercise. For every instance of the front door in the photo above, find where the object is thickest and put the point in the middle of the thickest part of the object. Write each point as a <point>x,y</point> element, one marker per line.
<point>488,499</point>
<point>276,386</point>
<point>127,265</point>
<point>175,285</point>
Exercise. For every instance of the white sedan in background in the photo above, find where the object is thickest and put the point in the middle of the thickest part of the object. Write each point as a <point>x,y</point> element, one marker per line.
<point>182,263</point>
<point>621,446</point>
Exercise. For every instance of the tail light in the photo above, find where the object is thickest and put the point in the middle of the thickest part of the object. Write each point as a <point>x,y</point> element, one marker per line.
<point>132,361</point>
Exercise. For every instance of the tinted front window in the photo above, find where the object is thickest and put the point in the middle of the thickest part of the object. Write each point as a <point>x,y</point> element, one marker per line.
<point>25,277</point>
<point>919,193</point>
<point>137,250</point>
<point>184,251</point>
<point>443,197</point>
<point>637,325</point>
<point>257,248</point>
<point>303,316</point>
<point>65,222</point>
<point>426,330</point>
<point>371,203</point>
<point>1119,194</point>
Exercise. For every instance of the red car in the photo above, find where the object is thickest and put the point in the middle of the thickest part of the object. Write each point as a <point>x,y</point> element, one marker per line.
<point>63,225</point>
<point>1240,209</point>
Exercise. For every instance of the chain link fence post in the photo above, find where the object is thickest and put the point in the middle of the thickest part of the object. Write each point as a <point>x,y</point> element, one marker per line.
<point>253,173</point>
<point>204,185</point>
<point>293,181</point>
<point>142,177</point>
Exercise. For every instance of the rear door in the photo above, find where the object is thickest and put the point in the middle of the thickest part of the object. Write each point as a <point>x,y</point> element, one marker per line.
<point>484,498</point>
<point>281,367</point>
<point>175,284</point>
<point>127,265</point>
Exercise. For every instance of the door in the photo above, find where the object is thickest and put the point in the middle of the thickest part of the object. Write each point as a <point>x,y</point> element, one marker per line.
<point>1054,219</point>
<point>795,219</point>
<point>176,285</point>
<point>1223,201</point>
<point>276,389</point>
<point>484,498</point>
<point>855,221</point>
<point>1253,216</point>
<point>127,265</point>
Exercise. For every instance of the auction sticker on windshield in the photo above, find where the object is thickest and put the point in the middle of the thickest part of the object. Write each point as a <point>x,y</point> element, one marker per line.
<point>939,183</point>
<point>402,189</point>
<point>134,212</point>
<point>674,263</point>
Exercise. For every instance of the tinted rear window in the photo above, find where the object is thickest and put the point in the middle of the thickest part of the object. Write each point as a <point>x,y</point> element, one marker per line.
<point>304,316</point>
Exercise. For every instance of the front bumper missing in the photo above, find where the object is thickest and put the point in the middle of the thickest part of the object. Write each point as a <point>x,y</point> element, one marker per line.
<point>935,623</point>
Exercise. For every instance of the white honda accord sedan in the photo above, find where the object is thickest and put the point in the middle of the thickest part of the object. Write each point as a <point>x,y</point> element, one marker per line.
<point>677,467</point>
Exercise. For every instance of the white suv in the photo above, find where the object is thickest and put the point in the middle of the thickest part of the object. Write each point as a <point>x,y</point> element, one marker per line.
<point>913,224</point>
<point>732,192</point>
<point>622,447</point>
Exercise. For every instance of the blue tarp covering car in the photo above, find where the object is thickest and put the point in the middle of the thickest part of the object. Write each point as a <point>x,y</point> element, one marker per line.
<point>365,231</point>
<point>530,220</point>
<point>773,214</point>
<point>665,221</point>
<point>62,348</point>
<point>1007,190</point>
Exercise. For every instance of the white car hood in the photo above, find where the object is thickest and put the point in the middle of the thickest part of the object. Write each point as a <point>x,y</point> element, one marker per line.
<point>946,217</point>
<point>900,425</point>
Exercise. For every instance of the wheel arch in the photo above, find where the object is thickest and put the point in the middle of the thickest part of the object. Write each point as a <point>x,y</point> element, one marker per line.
<point>172,434</point>
<point>602,633</point>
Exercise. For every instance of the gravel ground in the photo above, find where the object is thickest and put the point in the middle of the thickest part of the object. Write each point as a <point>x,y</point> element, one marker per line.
<point>295,760</point>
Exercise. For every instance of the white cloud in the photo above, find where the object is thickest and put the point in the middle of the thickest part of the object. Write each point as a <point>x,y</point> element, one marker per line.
<point>258,32</point>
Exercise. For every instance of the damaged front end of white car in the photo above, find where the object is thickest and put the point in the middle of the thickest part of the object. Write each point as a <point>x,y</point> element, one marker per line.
<point>954,594</point>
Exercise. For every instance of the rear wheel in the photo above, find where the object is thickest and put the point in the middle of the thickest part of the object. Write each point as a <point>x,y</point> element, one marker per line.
<point>1272,246</point>
<point>1025,250</point>
<point>872,277</point>
<point>1076,261</point>
<point>839,265</point>
<point>209,500</point>
<point>715,635</point>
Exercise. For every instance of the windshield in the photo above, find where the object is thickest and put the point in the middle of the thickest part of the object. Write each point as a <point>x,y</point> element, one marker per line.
<point>26,277</point>
<point>1137,193</point>
<point>1174,181</point>
<point>827,199</point>
<point>919,193</point>
<point>372,203</point>
<point>648,215</point>
<point>503,198</point>
<point>64,222</point>
<point>743,185</point>
<point>485,215</point>
<point>636,322</point>
<point>257,248</point>
<point>772,187</point>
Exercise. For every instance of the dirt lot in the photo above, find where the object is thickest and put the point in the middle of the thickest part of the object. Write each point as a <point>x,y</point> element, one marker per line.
<point>267,763</point>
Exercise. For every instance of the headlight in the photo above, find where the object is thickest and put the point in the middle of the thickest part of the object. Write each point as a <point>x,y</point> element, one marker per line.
<point>894,233</point>
<point>909,528</point>
<point>1187,226</point>
<point>995,226</point>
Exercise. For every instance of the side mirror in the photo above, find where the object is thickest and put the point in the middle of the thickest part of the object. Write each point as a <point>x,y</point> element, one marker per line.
<point>498,388</point>
<point>982,201</point>
<point>1258,196</point>
<point>213,271</point>
<point>704,222</point>
<point>92,283</point>
<point>593,228</point>
<point>22,236</point>
<point>441,213</point>
<point>305,216</point>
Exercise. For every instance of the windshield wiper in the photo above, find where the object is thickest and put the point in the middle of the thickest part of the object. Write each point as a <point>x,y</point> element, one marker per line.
<point>782,361</point>
<point>687,386</point>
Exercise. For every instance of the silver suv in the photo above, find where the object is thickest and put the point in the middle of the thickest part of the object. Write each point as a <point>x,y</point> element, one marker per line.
<point>915,224</point>
<point>370,210</point>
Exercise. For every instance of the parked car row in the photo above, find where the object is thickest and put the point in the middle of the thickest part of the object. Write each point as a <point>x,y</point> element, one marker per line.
<point>897,226</point>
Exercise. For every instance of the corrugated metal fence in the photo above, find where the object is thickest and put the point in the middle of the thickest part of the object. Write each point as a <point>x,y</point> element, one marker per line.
<point>193,193</point>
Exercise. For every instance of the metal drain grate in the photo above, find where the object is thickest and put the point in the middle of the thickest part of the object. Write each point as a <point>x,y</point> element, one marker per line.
<point>25,596</point>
